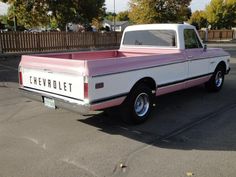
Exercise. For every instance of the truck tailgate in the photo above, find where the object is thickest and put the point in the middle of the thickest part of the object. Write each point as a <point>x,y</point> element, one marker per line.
<point>59,78</point>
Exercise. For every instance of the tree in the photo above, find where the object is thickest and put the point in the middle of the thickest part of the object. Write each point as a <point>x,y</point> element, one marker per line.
<point>221,14</point>
<point>230,14</point>
<point>199,19</point>
<point>8,23</point>
<point>34,13</point>
<point>184,14</point>
<point>159,11</point>
<point>63,12</point>
<point>77,11</point>
<point>109,16</point>
<point>3,19</point>
<point>123,16</point>
<point>29,13</point>
<point>2,26</point>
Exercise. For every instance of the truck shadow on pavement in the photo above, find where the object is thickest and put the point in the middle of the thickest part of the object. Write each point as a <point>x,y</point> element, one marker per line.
<point>171,127</point>
<point>187,120</point>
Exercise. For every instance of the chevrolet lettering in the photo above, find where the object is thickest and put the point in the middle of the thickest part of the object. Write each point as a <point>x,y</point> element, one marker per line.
<point>57,85</point>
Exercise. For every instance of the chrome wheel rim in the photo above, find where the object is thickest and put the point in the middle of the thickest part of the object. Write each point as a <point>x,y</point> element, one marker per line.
<point>219,79</point>
<point>141,104</point>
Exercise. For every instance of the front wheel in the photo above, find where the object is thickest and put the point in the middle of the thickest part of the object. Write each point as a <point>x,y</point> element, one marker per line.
<point>138,105</point>
<point>217,80</point>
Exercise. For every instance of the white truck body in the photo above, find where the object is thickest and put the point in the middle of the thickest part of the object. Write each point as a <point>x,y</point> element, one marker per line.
<point>165,57</point>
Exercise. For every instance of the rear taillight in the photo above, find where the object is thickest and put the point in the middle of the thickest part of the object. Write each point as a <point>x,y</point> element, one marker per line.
<point>20,78</point>
<point>85,88</point>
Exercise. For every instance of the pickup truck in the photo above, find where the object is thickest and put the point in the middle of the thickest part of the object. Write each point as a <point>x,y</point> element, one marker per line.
<point>153,60</point>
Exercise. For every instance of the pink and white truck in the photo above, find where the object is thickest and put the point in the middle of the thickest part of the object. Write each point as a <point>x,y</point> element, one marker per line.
<point>152,60</point>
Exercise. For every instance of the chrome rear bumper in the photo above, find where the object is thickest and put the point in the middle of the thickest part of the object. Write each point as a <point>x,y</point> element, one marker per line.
<point>59,103</point>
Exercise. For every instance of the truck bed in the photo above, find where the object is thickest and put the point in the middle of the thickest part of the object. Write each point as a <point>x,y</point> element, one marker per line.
<point>101,62</point>
<point>106,62</point>
<point>96,55</point>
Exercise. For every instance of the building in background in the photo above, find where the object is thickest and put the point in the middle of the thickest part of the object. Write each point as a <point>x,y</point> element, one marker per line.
<point>119,25</point>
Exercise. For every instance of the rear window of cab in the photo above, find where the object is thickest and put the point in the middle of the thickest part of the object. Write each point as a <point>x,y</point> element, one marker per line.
<point>158,38</point>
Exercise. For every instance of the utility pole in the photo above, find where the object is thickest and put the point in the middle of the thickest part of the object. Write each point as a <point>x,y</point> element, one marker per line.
<point>114,16</point>
<point>14,20</point>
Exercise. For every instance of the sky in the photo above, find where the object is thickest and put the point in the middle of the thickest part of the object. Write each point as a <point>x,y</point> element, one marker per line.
<point>3,8</point>
<point>122,5</point>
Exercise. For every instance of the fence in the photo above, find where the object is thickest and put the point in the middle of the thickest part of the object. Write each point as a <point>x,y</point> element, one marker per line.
<point>19,42</point>
<point>217,35</point>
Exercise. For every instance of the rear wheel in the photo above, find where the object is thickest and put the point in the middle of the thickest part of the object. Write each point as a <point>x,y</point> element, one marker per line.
<point>217,80</point>
<point>138,105</point>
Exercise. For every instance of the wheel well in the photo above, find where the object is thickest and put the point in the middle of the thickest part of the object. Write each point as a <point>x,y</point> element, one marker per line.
<point>147,81</point>
<point>223,65</point>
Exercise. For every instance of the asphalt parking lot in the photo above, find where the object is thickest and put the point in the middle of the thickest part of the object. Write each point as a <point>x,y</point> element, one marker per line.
<point>190,133</point>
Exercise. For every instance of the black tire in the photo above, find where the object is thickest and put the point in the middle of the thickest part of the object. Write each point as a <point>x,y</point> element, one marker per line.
<point>217,80</point>
<point>138,105</point>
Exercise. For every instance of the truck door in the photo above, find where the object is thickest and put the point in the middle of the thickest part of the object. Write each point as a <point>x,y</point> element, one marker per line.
<point>198,63</point>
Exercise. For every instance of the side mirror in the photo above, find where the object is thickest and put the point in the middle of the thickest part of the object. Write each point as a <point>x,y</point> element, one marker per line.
<point>205,48</point>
